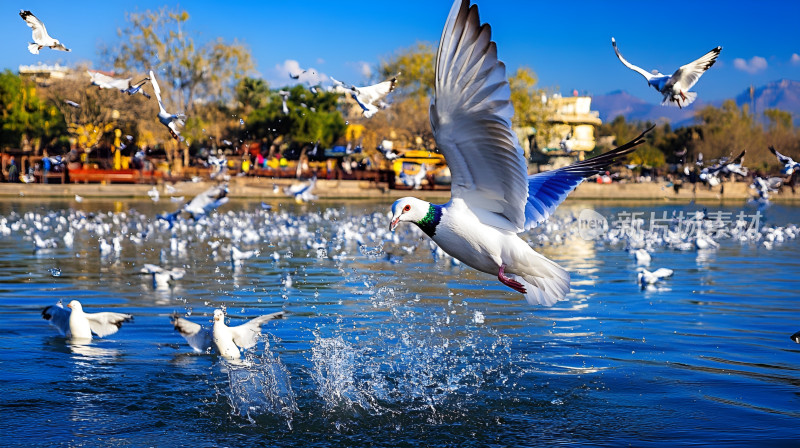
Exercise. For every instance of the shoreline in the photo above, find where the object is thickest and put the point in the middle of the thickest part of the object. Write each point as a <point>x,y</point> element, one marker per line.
<point>263,188</point>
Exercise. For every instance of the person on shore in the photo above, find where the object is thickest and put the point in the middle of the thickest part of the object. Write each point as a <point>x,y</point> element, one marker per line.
<point>13,170</point>
<point>46,166</point>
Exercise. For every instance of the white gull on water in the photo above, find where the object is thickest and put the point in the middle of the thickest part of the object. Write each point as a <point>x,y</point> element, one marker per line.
<point>77,324</point>
<point>227,340</point>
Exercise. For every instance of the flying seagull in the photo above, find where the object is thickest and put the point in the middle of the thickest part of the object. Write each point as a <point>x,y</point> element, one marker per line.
<point>368,96</point>
<point>789,165</point>
<point>675,88</point>
<point>72,104</point>
<point>202,204</point>
<point>76,323</point>
<point>493,198</point>
<point>103,81</point>
<point>284,96</point>
<point>227,340</point>
<point>40,37</point>
<point>137,88</point>
<point>171,121</point>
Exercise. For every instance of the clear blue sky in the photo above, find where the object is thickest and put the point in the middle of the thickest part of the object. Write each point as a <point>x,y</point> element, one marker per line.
<point>568,44</point>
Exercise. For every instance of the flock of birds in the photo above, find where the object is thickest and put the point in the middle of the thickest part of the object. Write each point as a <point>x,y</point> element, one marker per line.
<point>493,197</point>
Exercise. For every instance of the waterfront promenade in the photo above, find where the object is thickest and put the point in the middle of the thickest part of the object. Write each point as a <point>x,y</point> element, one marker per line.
<point>267,188</point>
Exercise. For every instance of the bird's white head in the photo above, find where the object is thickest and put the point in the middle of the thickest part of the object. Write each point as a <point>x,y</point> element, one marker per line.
<point>75,305</point>
<point>219,316</point>
<point>408,209</point>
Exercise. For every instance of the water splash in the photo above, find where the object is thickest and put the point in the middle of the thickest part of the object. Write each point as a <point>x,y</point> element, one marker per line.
<point>260,386</point>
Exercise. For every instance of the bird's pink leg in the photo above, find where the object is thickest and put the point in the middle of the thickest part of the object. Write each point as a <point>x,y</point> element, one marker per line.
<point>513,284</point>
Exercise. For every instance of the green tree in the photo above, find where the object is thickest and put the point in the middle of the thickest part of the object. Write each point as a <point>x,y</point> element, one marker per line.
<point>415,64</point>
<point>311,118</point>
<point>251,93</point>
<point>24,116</point>
<point>187,72</point>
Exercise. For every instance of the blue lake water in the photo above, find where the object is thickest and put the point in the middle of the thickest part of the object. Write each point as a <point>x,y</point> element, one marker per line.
<point>384,344</point>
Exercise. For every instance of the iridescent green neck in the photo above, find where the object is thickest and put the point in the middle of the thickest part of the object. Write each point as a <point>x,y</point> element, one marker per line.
<point>431,220</point>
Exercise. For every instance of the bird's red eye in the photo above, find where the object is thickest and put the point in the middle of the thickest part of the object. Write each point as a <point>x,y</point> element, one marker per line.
<point>407,207</point>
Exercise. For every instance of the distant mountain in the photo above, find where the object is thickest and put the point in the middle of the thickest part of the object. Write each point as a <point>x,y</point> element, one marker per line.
<point>783,94</point>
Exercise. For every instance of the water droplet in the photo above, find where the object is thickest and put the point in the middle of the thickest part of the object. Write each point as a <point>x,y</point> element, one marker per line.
<point>55,272</point>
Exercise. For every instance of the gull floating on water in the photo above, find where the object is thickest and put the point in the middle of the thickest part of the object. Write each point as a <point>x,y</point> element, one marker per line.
<point>161,276</point>
<point>675,87</point>
<point>646,277</point>
<point>493,198</point>
<point>40,37</point>
<point>171,121</point>
<point>76,323</point>
<point>227,340</point>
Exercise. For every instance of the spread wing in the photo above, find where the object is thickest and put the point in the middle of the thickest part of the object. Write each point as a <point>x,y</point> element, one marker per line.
<point>647,75</point>
<point>40,35</point>
<point>373,93</point>
<point>198,337</point>
<point>246,335</point>
<point>58,317</point>
<point>691,72</point>
<point>106,323</point>
<point>781,158</point>
<point>549,189</point>
<point>471,120</point>
<point>157,90</point>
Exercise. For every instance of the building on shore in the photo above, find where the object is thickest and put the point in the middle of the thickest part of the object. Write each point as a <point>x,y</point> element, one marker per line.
<point>567,134</point>
<point>42,74</point>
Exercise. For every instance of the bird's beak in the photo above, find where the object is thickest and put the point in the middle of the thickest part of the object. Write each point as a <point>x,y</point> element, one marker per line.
<point>69,306</point>
<point>394,223</point>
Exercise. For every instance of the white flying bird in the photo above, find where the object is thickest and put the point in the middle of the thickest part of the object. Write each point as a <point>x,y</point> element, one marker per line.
<point>284,96</point>
<point>227,340</point>
<point>40,37</point>
<point>367,97</point>
<point>104,81</point>
<point>171,121</point>
<point>675,87</point>
<point>76,323</point>
<point>202,204</point>
<point>493,198</point>
<point>789,165</point>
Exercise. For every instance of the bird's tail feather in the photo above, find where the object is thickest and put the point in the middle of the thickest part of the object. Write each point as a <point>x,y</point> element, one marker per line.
<point>680,102</point>
<point>33,48</point>
<point>547,290</point>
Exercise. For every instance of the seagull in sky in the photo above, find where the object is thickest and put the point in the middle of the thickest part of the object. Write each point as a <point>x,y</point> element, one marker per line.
<point>789,165</point>
<point>103,81</point>
<point>40,37</point>
<point>675,87</point>
<point>227,340</point>
<point>171,121</point>
<point>77,324</point>
<point>493,198</point>
<point>284,96</point>
<point>367,97</point>
<point>137,88</point>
